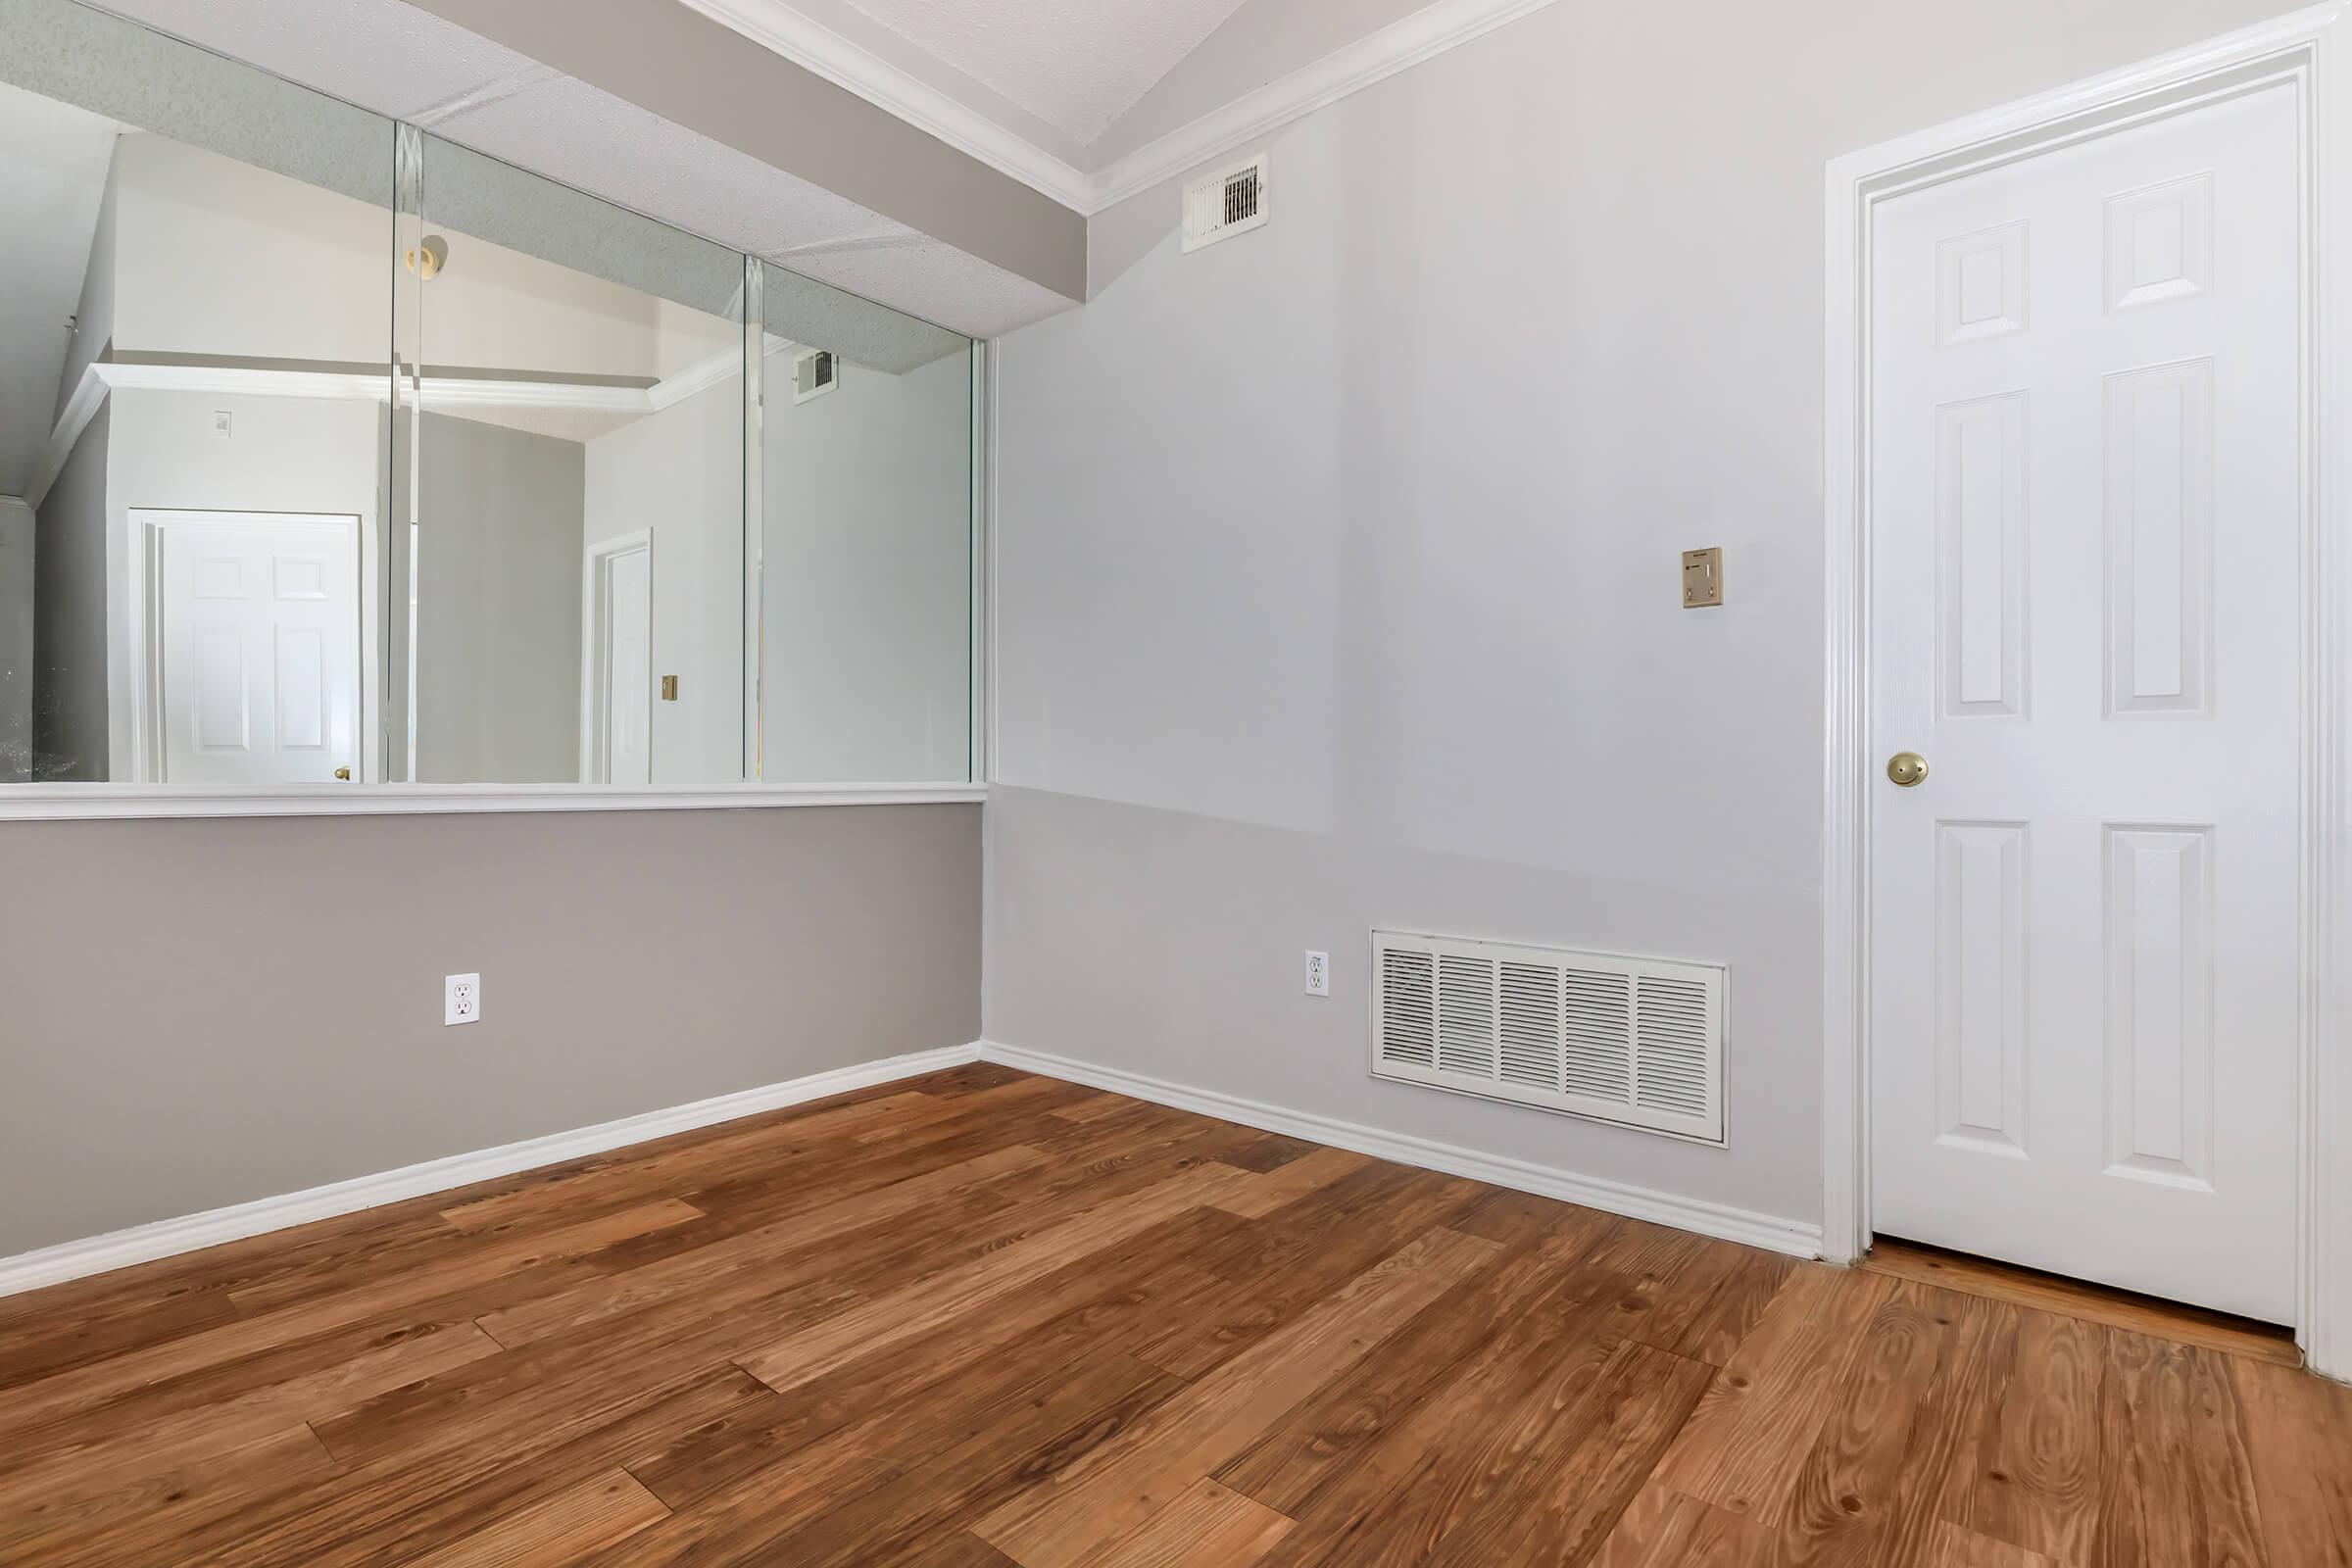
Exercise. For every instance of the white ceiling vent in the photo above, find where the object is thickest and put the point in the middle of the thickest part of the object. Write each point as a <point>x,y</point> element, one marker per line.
<point>1633,1040</point>
<point>1230,202</point>
<point>815,372</point>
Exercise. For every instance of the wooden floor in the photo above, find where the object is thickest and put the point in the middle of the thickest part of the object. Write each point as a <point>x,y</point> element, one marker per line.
<point>986,1319</point>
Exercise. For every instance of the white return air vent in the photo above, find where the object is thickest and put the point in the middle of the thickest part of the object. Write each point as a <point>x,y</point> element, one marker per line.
<point>1231,201</point>
<point>1633,1040</point>
<point>815,372</point>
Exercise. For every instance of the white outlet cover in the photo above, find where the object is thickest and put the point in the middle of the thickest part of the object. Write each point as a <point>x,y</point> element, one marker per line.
<point>462,998</point>
<point>1318,973</point>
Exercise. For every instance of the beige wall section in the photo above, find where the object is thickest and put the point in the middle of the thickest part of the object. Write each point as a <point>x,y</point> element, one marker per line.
<point>228,1011</point>
<point>697,73</point>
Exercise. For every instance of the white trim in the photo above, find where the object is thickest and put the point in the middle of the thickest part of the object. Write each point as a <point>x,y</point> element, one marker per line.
<point>438,391</point>
<point>1399,46</point>
<point>41,802</point>
<point>169,1238</point>
<point>1369,61</point>
<point>90,396</point>
<point>1770,1232</point>
<point>596,562</point>
<point>2305,50</point>
<point>817,48</point>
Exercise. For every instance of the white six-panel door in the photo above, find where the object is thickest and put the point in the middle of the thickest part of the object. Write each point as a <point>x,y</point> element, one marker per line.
<point>2085,556</point>
<point>260,648</point>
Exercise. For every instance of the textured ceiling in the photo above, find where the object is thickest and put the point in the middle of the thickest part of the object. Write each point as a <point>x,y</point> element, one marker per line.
<point>402,62</point>
<point>1077,65</point>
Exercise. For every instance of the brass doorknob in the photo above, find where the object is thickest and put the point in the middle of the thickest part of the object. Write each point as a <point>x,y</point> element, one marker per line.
<point>343,774</point>
<point>1906,768</point>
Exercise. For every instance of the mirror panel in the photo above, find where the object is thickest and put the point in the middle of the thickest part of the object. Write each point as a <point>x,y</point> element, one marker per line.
<point>335,453</point>
<point>573,393</point>
<point>865,478</point>
<point>192,392</point>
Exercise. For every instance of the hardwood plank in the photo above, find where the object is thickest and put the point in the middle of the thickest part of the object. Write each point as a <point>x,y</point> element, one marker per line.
<point>2040,1487</point>
<point>1744,1444</point>
<point>1094,1108</point>
<point>2299,1437</point>
<point>1284,1264</point>
<point>408,1501</point>
<point>86,1464</point>
<point>248,1336</point>
<point>1208,1525</point>
<point>557,1532</point>
<point>697,1270</point>
<point>1292,1182</point>
<point>810,1354</point>
<point>1582,1472</point>
<point>1664,1529</point>
<point>1297,1458</point>
<point>1959,1547</point>
<point>2178,1489</point>
<point>1096,1502</point>
<point>2077,1298</point>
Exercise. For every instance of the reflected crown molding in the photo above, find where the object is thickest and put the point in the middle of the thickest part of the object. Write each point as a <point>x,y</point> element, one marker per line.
<point>616,399</point>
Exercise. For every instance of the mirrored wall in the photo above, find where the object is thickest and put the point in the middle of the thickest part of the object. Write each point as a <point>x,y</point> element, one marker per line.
<point>335,453</point>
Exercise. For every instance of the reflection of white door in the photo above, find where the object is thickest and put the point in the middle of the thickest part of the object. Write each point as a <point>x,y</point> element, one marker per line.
<point>258,668</point>
<point>617,735</point>
<point>2086,568</point>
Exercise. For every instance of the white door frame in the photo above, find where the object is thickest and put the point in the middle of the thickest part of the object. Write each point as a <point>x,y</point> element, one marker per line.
<point>141,645</point>
<point>2308,52</point>
<point>599,556</point>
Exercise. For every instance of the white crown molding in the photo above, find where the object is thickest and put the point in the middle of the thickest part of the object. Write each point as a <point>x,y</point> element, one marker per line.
<point>1795,1238</point>
<point>100,377</point>
<point>813,46</point>
<point>144,1244</point>
<point>50,802</point>
<point>90,396</point>
<point>1400,46</point>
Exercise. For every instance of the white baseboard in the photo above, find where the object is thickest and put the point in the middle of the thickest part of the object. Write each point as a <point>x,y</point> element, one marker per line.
<point>142,1244</point>
<point>1767,1230</point>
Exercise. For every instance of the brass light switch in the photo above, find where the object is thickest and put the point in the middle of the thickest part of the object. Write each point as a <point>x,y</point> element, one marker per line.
<point>1703,578</point>
<point>670,688</point>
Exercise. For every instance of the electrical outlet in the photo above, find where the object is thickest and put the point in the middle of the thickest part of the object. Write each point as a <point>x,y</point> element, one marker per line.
<point>462,998</point>
<point>1318,973</point>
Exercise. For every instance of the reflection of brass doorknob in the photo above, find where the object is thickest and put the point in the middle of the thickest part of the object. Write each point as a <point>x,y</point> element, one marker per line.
<point>1906,768</point>
<point>343,774</point>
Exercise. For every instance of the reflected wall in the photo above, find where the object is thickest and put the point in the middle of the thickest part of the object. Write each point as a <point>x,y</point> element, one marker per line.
<point>335,453</point>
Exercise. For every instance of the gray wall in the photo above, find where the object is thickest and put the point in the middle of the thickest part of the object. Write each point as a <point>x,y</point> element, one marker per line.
<point>16,640</point>
<point>498,603</point>
<point>866,577</point>
<point>629,962</point>
<point>1338,562</point>
<point>70,600</point>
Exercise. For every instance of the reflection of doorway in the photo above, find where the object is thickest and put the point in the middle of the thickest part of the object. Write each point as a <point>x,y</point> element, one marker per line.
<point>249,665</point>
<point>616,662</point>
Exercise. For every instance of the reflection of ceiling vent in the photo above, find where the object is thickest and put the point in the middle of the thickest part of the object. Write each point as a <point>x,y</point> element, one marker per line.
<point>1230,202</point>
<point>814,373</point>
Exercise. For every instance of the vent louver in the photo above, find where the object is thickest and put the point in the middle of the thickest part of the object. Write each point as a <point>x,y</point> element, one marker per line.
<point>1232,201</point>
<point>1633,1040</point>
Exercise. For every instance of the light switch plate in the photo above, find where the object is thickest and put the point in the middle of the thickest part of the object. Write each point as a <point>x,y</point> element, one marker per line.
<point>1702,577</point>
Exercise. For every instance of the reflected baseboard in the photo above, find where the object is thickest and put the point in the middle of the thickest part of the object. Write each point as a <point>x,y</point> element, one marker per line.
<point>168,1237</point>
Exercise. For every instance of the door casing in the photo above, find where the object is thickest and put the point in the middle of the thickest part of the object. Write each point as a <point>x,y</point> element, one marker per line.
<point>2307,51</point>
